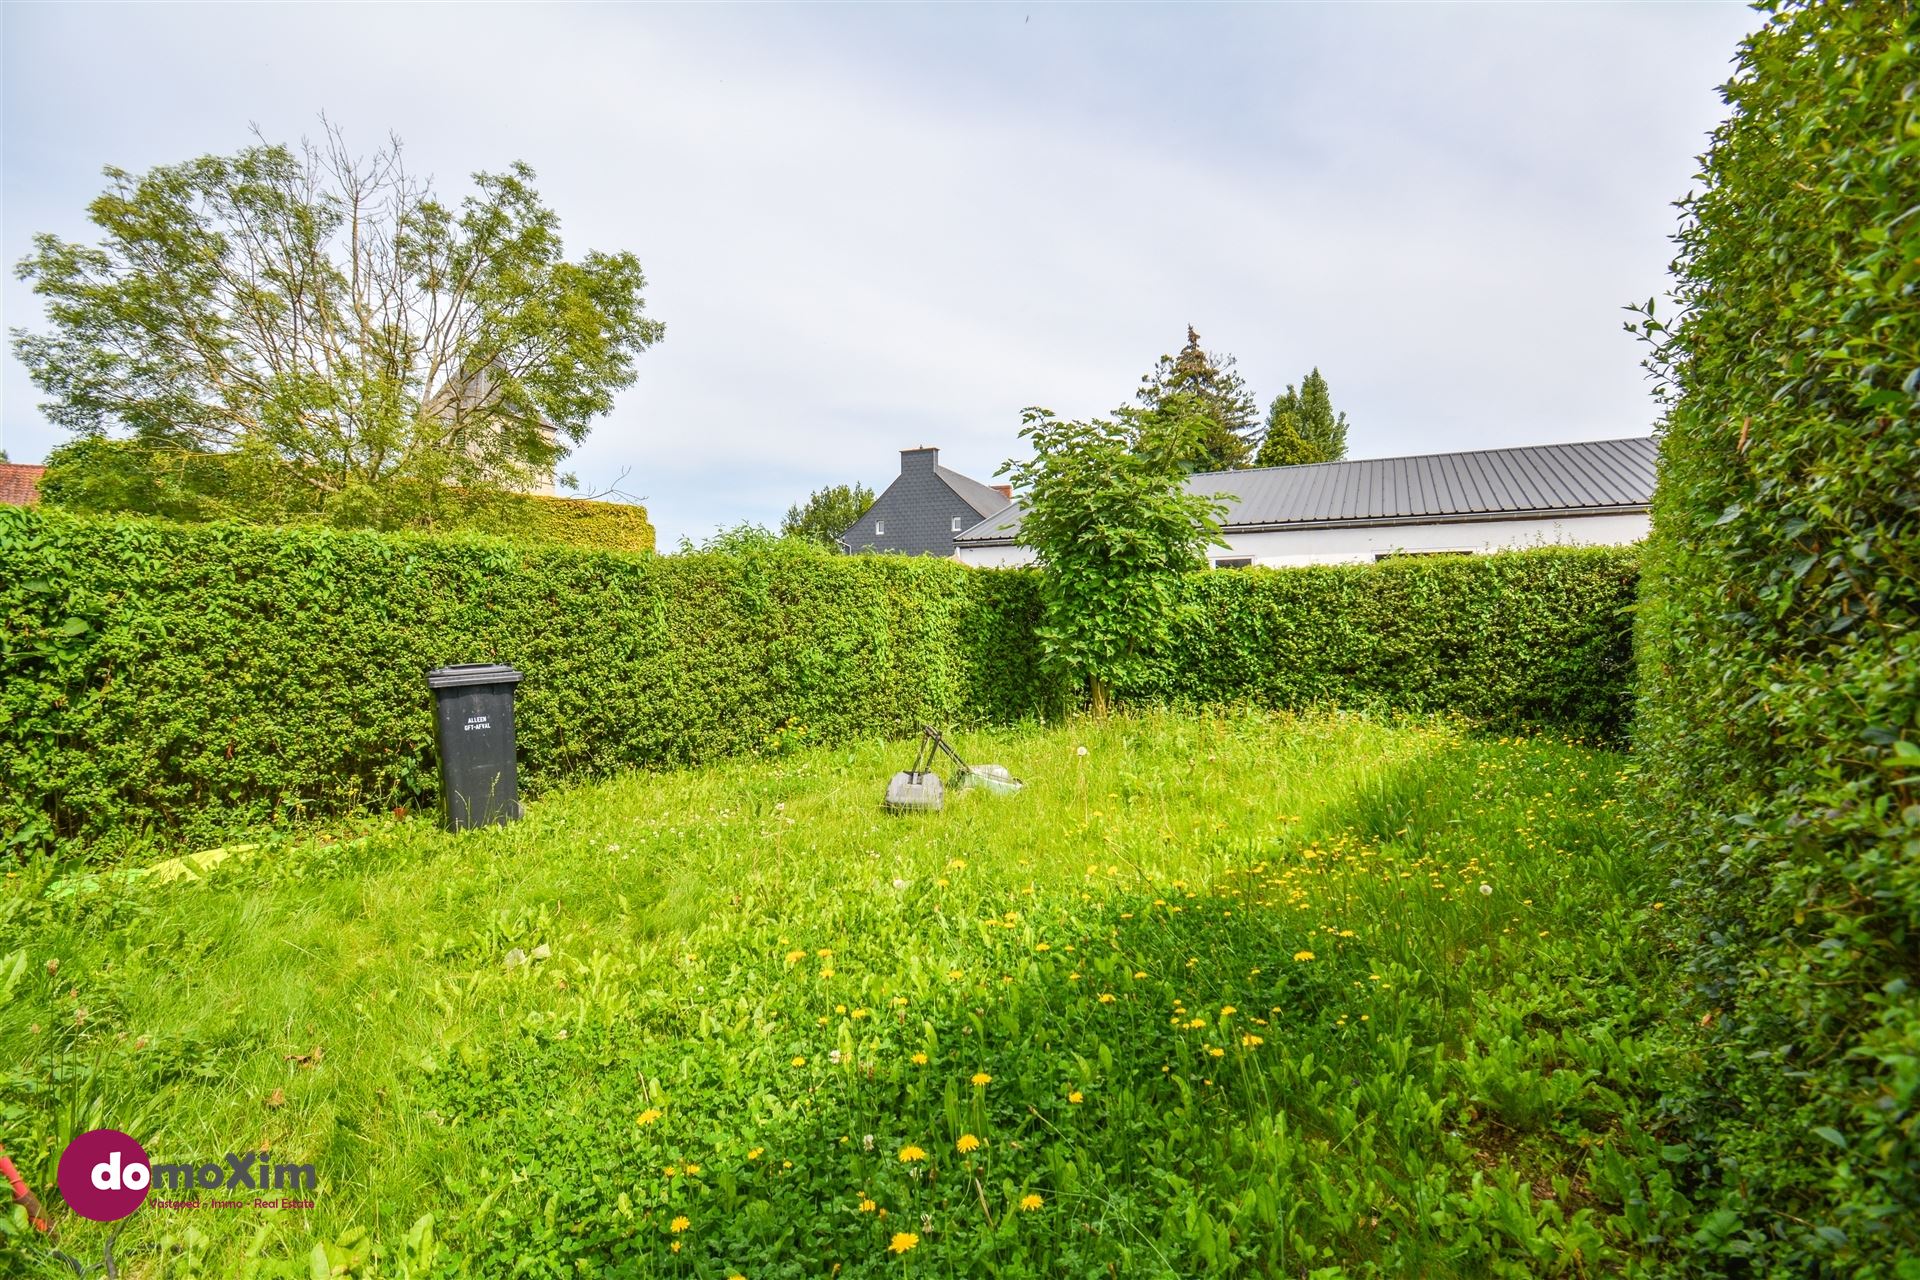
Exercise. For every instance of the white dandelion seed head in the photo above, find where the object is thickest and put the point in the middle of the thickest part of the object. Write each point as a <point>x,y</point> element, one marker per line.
<point>1486,890</point>
<point>1079,751</point>
<point>898,883</point>
<point>833,1056</point>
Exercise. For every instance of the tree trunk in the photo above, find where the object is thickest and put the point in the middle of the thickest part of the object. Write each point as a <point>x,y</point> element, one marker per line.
<point>1099,689</point>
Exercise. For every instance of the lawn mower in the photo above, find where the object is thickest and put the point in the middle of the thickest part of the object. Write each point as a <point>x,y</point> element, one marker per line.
<point>919,790</point>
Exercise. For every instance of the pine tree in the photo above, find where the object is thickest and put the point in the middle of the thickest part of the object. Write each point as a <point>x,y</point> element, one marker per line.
<point>1302,427</point>
<point>1198,385</point>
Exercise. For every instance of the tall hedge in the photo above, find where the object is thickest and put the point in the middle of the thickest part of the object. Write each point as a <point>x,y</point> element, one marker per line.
<point>199,678</point>
<point>1535,638</point>
<point>191,680</point>
<point>1780,707</point>
<point>569,522</point>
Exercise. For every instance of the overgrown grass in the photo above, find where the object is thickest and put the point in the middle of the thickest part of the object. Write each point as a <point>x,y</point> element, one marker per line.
<point>1250,995</point>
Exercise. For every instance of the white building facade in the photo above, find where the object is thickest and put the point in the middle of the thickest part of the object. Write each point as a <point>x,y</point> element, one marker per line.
<point>1594,493</point>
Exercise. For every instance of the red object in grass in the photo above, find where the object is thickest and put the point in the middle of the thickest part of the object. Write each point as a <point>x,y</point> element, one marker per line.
<point>24,1194</point>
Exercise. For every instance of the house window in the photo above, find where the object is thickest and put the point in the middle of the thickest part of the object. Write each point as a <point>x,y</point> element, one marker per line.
<point>1409,555</point>
<point>956,524</point>
<point>879,528</point>
<point>1236,562</point>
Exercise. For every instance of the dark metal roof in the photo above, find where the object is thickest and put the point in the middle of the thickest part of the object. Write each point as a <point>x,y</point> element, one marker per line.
<point>1593,477</point>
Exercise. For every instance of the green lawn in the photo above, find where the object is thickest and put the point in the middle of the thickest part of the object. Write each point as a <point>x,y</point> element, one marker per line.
<point>1248,995</point>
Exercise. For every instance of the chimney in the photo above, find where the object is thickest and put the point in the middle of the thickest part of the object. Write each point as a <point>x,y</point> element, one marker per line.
<point>1004,490</point>
<point>925,458</point>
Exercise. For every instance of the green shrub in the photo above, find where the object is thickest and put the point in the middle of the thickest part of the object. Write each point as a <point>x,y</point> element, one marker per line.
<point>567,522</point>
<point>196,680</point>
<point>203,678</point>
<point>1538,638</point>
<point>1780,706</point>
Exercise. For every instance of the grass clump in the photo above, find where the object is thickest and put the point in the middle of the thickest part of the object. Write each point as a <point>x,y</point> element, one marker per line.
<point>1233,995</point>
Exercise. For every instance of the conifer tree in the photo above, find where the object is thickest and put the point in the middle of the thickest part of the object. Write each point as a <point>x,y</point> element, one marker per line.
<point>1202,391</point>
<point>1302,426</point>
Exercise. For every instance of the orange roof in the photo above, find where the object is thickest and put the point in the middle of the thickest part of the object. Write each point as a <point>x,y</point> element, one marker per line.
<point>20,483</point>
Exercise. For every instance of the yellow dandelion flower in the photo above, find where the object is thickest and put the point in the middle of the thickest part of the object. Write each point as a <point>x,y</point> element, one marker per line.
<point>982,1079</point>
<point>1030,1202</point>
<point>672,1171</point>
<point>1106,997</point>
<point>902,1241</point>
<point>1251,1041</point>
<point>1303,955</point>
<point>1216,1052</point>
<point>954,975</point>
<point>1076,1097</point>
<point>692,1169</point>
<point>910,1153</point>
<point>919,1059</point>
<point>736,1276</point>
<point>1043,946</point>
<point>678,1225</point>
<point>799,1062</point>
<point>826,972</point>
<point>858,1013</point>
<point>824,952</point>
<point>967,1143</point>
<point>648,1116</point>
<point>1139,974</point>
<point>675,1246</point>
<point>756,1153</point>
<point>866,1206</point>
<point>795,957</point>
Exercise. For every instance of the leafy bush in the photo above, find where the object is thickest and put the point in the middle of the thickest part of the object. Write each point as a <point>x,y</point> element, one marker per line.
<point>198,680</point>
<point>1780,706</point>
<point>204,678</point>
<point>95,475</point>
<point>1528,638</point>
<point>567,522</point>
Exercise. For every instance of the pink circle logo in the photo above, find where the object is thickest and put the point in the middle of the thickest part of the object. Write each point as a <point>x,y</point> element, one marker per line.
<point>104,1175</point>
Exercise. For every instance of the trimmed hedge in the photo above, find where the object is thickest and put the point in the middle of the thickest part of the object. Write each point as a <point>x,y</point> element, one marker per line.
<point>1780,712</point>
<point>567,522</point>
<point>1523,639</point>
<point>200,678</point>
<point>194,680</point>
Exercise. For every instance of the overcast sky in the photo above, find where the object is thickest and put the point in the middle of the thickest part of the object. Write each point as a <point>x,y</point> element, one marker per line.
<point>871,228</point>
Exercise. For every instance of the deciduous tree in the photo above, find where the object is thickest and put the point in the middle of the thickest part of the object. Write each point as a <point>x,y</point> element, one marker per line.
<point>347,344</point>
<point>1106,509</point>
<point>828,513</point>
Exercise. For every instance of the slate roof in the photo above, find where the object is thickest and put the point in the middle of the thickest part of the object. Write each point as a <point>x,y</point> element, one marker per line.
<point>983,498</point>
<point>1590,478</point>
<point>20,484</point>
<point>922,509</point>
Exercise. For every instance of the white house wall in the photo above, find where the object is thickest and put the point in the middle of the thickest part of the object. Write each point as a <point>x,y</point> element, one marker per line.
<point>1363,544</point>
